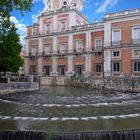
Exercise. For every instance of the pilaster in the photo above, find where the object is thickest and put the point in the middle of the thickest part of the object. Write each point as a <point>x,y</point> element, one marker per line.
<point>88,65</point>
<point>88,41</point>
<point>107,34</point>
<point>26,65</point>
<point>40,50</point>
<point>107,62</point>
<point>40,66</point>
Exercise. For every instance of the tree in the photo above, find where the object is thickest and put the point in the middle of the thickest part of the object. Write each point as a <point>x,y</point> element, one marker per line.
<point>10,47</point>
<point>7,6</point>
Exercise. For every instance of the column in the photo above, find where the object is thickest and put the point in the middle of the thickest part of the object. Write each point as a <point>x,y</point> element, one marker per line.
<point>55,23</point>
<point>54,44</point>
<point>70,57</point>
<point>26,59</point>
<point>88,56</point>
<point>88,65</point>
<point>107,62</point>
<point>88,41</point>
<point>40,24</point>
<point>72,18</point>
<point>54,58</point>
<point>27,48</point>
<point>26,65</point>
<point>107,34</point>
<point>107,53</point>
<point>54,66</point>
<point>40,59</point>
<point>40,50</point>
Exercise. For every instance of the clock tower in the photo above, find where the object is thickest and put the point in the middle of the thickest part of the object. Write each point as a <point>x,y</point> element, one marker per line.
<point>58,4</point>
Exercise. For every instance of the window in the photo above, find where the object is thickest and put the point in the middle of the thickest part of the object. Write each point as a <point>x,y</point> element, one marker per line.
<point>34,30</point>
<point>47,49</point>
<point>116,53</point>
<point>136,52</point>
<point>61,70</point>
<point>46,70</point>
<point>79,46</point>
<point>62,48</point>
<point>34,50</point>
<point>136,35</point>
<point>116,66</point>
<point>33,69</point>
<point>48,28</point>
<point>116,37</point>
<point>98,67</point>
<point>63,26</point>
<point>136,66</point>
<point>98,44</point>
<point>79,69</point>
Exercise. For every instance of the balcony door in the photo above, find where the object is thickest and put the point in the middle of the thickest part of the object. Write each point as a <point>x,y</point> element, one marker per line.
<point>78,69</point>
<point>61,70</point>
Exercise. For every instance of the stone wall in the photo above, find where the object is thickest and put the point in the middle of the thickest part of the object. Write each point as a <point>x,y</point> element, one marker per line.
<point>18,87</point>
<point>121,84</point>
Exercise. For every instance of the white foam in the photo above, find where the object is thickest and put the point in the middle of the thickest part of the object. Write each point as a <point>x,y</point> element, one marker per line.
<point>55,119</point>
<point>71,118</point>
<point>123,103</point>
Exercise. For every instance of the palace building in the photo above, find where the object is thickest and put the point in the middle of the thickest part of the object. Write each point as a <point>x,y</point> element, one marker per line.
<point>63,43</point>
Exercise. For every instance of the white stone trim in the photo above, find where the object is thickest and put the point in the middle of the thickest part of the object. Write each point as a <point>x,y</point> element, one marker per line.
<point>40,66</point>
<point>120,36</point>
<point>54,65</point>
<point>55,23</point>
<point>26,66</point>
<point>133,55</point>
<point>27,47</point>
<point>70,43</point>
<point>107,34</point>
<point>54,44</point>
<point>116,57</point>
<point>107,63</point>
<point>133,27</point>
<point>88,64</point>
<point>70,64</point>
<point>40,45</point>
<point>88,40</point>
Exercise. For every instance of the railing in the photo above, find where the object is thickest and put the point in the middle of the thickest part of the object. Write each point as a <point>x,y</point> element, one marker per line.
<point>136,41</point>
<point>116,43</point>
<point>67,52</point>
<point>122,13</point>
<point>113,44</point>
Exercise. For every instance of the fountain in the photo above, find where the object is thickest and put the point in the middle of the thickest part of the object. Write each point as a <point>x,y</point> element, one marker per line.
<point>84,114</point>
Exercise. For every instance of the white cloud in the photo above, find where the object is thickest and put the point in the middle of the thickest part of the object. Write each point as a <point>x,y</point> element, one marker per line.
<point>34,16</point>
<point>21,29</point>
<point>107,4</point>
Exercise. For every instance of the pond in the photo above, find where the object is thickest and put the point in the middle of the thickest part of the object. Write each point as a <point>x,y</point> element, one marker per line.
<point>69,109</point>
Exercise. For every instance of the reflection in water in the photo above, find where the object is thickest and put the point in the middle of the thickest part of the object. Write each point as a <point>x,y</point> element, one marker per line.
<point>69,109</point>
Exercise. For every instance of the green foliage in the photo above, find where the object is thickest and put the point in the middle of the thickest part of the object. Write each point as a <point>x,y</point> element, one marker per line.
<point>9,40</point>
<point>3,80</point>
<point>10,47</point>
<point>7,6</point>
<point>49,135</point>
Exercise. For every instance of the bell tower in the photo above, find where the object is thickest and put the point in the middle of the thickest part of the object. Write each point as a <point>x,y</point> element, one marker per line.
<point>58,4</point>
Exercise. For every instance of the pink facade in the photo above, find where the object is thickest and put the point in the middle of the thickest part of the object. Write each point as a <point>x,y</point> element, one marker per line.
<point>61,18</point>
<point>108,48</point>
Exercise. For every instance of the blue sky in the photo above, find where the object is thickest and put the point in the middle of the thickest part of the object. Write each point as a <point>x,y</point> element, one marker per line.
<point>93,9</point>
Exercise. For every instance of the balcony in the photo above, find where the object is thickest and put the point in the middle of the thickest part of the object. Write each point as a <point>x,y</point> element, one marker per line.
<point>136,41</point>
<point>115,43</point>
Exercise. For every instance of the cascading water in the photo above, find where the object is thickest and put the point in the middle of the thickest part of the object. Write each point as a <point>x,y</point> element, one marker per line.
<point>71,110</point>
